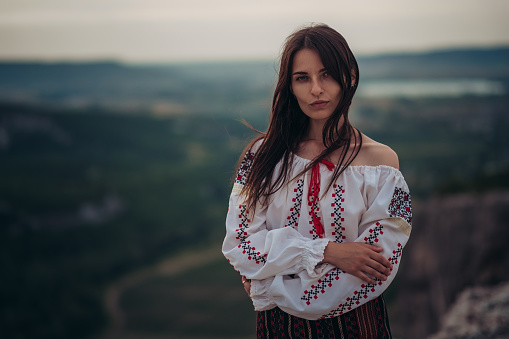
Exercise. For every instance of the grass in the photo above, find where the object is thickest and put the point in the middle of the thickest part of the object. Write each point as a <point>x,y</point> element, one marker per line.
<point>207,302</point>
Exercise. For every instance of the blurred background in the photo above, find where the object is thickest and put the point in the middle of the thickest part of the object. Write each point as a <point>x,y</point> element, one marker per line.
<point>120,129</point>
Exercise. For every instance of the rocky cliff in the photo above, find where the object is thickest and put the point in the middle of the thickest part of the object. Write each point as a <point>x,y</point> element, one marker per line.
<point>478,312</point>
<point>457,242</point>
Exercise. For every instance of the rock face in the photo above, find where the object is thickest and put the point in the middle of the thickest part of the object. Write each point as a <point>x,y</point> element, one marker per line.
<point>479,312</point>
<point>457,242</point>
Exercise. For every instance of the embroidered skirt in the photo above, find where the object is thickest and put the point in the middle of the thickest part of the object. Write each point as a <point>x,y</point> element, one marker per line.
<point>368,321</point>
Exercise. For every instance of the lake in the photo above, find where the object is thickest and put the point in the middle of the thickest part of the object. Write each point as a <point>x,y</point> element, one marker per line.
<point>416,88</point>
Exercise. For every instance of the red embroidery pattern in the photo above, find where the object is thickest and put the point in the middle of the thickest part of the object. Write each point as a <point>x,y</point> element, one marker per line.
<point>338,219</point>
<point>372,237</point>
<point>315,290</point>
<point>293,218</point>
<point>401,205</point>
<point>361,295</point>
<point>257,256</point>
<point>245,166</point>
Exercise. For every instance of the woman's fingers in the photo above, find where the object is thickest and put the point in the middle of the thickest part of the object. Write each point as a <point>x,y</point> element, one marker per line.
<point>377,261</point>
<point>247,285</point>
<point>384,267</point>
<point>383,261</point>
<point>369,274</point>
<point>378,273</point>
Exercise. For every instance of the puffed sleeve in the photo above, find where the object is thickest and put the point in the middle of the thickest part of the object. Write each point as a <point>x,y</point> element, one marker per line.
<point>386,223</point>
<point>258,253</point>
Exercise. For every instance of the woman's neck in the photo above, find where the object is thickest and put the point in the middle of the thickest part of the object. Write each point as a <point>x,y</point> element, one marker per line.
<point>315,131</point>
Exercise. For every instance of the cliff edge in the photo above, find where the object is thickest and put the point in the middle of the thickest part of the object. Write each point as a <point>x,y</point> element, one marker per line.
<point>457,242</point>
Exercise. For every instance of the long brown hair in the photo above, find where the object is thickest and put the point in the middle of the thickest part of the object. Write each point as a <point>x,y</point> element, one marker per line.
<point>288,125</point>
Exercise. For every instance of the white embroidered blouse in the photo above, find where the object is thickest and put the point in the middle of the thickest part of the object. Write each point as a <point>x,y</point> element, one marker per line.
<point>279,248</point>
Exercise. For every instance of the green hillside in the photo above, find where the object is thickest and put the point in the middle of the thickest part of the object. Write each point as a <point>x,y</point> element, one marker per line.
<point>86,198</point>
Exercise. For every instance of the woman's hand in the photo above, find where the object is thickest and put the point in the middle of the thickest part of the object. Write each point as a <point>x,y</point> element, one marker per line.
<point>358,259</point>
<point>247,285</point>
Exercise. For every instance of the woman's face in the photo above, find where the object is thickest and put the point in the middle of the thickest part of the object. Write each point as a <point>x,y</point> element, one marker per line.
<point>317,93</point>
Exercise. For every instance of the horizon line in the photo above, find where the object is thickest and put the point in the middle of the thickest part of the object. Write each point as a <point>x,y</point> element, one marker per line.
<point>126,61</point>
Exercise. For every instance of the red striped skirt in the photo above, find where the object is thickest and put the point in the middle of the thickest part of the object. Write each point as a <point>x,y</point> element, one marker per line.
<point>368,321</point>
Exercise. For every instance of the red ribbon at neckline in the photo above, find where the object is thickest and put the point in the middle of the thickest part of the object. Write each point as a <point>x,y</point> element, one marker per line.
<point>313,194</point>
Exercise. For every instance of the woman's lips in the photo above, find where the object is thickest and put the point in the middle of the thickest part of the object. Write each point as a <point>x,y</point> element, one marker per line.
<point>319,104</point>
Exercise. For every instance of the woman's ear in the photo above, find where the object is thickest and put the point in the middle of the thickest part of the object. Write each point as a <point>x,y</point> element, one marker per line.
<point>354,77</point>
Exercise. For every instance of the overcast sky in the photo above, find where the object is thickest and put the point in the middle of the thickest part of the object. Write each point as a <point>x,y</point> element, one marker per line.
<point>188,30</point>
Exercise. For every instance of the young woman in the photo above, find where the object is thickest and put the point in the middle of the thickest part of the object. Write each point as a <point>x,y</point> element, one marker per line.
<point>319,212</point>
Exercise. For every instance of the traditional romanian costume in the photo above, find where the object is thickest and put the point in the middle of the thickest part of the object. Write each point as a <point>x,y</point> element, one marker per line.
<point>280,246</point>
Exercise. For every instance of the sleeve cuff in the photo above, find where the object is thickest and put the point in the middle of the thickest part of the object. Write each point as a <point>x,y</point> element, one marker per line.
<point>313,256</point>
<point>260,294</point>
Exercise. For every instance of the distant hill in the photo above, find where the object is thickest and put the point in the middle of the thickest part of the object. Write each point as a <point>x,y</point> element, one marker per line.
<point>485,63</point>
<point>220,88</point>
<point>163,89</point>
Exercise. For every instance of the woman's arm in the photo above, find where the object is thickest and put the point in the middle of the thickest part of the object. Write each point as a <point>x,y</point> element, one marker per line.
<point>361,260</point>
<point>259,254</point>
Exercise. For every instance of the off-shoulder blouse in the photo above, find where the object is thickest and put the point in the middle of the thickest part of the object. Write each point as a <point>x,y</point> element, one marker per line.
<point>280,246</point>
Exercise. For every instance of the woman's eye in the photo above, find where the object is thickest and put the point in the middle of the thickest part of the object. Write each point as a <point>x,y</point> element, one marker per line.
<point>301,78</point>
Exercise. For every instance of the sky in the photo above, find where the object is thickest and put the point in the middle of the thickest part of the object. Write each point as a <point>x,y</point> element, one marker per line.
<point>197,30</point>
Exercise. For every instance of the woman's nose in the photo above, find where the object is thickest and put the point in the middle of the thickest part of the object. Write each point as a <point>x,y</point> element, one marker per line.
<point>316,88</point>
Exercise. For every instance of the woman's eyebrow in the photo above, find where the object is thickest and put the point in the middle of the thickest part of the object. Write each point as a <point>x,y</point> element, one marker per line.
<point>302,72</point>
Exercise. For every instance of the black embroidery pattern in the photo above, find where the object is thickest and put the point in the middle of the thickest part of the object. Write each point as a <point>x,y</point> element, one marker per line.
<point>372,237</point>
<point>258,257</point>
<point>338,219</point>
<point>315,290</point>
<point>245,166</point>
<point>363,293</point>
<point>401,205</point>
<point>293,218</point>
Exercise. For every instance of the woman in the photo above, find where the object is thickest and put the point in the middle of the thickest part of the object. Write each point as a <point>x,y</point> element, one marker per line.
<point>319,212</point>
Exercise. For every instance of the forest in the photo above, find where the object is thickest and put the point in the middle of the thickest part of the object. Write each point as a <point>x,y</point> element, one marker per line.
<point>113,174</point>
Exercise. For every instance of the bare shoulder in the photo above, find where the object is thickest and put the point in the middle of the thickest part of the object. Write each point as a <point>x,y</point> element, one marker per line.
<point>373,153</point>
